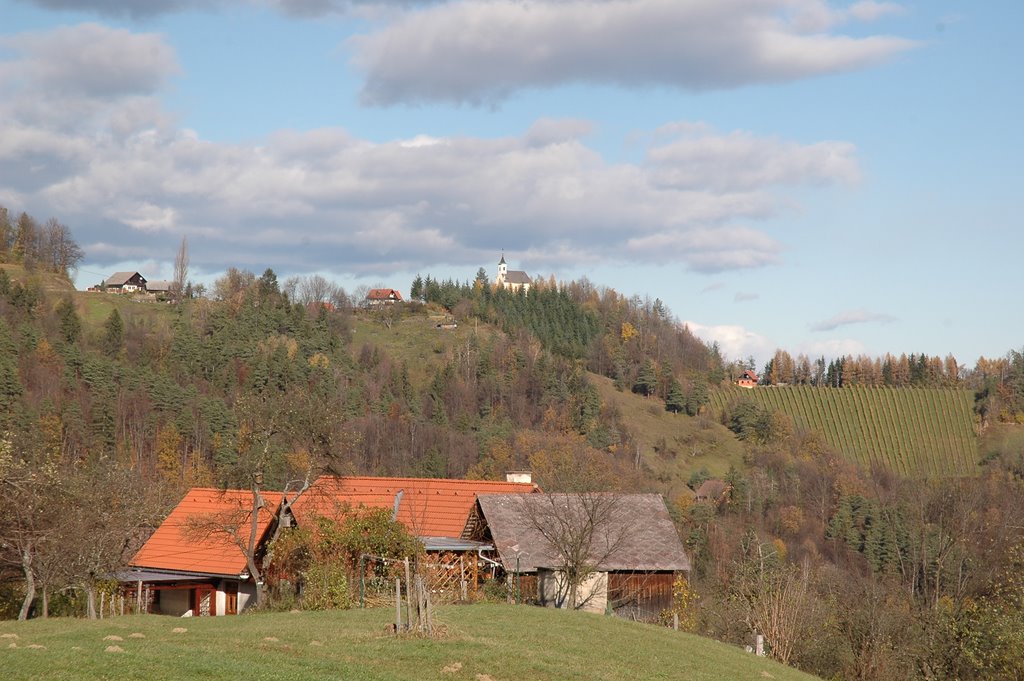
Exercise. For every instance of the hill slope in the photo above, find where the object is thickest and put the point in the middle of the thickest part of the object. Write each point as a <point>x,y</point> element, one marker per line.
<point>673,445</point>
<point>496,642</point>
<point>911,431</point>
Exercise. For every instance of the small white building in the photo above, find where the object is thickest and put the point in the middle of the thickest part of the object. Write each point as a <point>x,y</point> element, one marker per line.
<point>512,280</point>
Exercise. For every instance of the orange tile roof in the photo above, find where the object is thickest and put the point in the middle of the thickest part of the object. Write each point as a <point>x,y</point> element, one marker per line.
<point>430,507</point>
<point>179,545</point>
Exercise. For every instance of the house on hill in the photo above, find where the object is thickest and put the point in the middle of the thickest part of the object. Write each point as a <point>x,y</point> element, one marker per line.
<point>160,287</point>
<point>635,551</point>
<point>125,282</point>
<point>748,379</point>
<point>512,280</point>
<point>382,296</point>
<point>193,563</point>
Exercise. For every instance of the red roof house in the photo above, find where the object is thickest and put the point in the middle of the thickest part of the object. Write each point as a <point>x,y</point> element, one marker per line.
<point>748,379</point>
<point>193,563</point>
<point>383,296</point>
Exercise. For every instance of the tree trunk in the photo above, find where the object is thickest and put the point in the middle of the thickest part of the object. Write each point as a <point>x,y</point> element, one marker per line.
<point>90,600</point>
<point>30,583</point>
<point>250,554</point>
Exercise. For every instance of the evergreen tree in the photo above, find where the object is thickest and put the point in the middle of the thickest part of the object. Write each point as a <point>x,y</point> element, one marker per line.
<point>676,401</point>
<point>113,336</point>
<point>698,397</point>
<point>70,324</point>
<point>647,380</point>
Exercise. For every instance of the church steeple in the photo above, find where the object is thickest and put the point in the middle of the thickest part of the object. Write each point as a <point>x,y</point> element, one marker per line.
<point>502,267</point>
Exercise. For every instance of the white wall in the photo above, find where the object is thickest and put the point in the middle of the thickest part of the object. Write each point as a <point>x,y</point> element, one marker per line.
<point>246,594</point>
<point>591,595</point>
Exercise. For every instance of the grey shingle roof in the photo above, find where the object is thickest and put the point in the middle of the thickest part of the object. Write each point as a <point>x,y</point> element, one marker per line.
<point>119,278</point>
<point>518,277</point>
<point>639,531</point>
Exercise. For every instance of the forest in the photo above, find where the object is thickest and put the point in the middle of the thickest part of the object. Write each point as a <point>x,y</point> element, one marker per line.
<point>110,409</point>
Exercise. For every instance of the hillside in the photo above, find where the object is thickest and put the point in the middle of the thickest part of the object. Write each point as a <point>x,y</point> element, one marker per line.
<point>911,431</point>
<point>496,642</point>
<point>48,281</point>
<point>673,446</point>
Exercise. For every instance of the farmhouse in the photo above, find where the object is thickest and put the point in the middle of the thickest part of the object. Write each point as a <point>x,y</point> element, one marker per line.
<point>125,282</point>
<point>439,512</point>
<point>382,296</point>
<point>630,548</point>
<point>512,280</point>
<point>161,287</point>
<point>748,379</point>
<point>193,563</point>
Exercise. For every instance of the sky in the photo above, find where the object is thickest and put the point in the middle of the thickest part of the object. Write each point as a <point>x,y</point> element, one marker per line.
<point>828,178</point>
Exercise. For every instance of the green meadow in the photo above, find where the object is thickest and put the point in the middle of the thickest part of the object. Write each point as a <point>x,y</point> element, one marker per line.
<point>480,642</point>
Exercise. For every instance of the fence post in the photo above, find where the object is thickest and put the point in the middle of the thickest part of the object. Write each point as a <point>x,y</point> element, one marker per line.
<point>362,580</point>
<point>408,596</point>
<point>138,597</point>
<point>463,590</point>
<point>103,601</point>
<point>398,604</point>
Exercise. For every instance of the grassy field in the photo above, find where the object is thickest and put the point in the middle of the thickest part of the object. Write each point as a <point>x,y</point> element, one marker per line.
<point>481,643</point>
<point>912,431</point>
<point>673,445</point>
<point>416,340</point>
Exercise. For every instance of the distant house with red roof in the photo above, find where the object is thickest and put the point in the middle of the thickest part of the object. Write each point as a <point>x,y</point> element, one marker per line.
<point>748,379</point>
<point>194,563</point>
<point>383,296</point>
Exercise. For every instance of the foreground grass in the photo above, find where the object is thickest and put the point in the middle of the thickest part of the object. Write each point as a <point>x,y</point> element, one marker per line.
<point>481,643</point>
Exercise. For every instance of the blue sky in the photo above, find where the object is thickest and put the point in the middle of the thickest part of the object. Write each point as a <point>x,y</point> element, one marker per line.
<point>824,177</point>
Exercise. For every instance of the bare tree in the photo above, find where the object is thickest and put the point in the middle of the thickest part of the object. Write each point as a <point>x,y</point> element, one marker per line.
<point>776,596</point>
<point>582,531</point>
<point>180,271</point>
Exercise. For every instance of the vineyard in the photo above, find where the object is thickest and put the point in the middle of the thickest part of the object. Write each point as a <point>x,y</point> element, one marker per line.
<point>911,431</point>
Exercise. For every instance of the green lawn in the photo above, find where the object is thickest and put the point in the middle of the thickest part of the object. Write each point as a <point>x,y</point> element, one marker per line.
<point>481,643</point>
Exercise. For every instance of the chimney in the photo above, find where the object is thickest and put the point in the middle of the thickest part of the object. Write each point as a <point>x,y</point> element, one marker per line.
<point>519,476</point>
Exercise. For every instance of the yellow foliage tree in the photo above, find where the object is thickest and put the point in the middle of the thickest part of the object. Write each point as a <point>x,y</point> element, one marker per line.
<point>167,450</point>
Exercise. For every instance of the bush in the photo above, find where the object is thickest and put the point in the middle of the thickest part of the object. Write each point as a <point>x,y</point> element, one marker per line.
<point>326,587</point>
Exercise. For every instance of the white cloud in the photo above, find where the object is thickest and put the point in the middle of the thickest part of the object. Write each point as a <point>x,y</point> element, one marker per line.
<point>325,198</point>
<point>849,317</point>
<point>89,60</point>
<point>476,52</point>
<point>734,341</point>
<point>832,348</point>
<point>745,297</point>
<point>741,161</point>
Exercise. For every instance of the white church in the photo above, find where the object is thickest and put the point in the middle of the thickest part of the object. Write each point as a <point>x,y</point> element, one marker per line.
<point>512,280</point>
